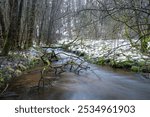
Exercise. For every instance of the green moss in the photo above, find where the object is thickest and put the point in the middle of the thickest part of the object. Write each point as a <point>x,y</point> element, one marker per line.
<point>142,63</point>
<point>33,63</point>
<point>124,64</point>
<point>111,63</point>
<point>127,64</point>
<point>101,61</point>
<point>117,64</point>
<point>135,68</point>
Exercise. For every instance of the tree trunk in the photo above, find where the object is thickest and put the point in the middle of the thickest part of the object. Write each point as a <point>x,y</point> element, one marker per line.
<point>2,23</point>
<point>17,45</point>
<point>42,23</point>
<point>31,25</point>
<point>12,30</point>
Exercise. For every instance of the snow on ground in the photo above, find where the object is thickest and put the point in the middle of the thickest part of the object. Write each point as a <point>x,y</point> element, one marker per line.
<point>17,62</point>
<point>107,49</point>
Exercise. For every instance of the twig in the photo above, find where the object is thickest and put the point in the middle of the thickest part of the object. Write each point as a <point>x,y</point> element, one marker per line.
<point>4,89</point>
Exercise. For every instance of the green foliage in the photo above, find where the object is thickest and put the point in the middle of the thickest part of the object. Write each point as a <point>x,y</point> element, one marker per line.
<point>101,61</point>
<point>141,63</point>
<point>88,58</point>
<point>33,63</point>
<point>144,45</point>
<point>116,64</point>
<point>127,64</point>
<point>123,64</point>
<point>113,64</point>
<point>135,68</point>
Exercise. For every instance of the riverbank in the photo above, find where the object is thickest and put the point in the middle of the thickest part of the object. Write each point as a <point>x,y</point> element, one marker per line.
<point>17,63</point>
<point>103,53</point>
<point>114,53</point>
<point>110,85</point>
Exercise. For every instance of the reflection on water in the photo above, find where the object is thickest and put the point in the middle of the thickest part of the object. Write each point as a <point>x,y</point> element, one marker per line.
<point>101,83</point>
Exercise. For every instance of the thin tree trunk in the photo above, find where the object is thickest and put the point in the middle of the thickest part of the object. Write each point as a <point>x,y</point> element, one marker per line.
<point>2,23</point>
<point>19,24</point>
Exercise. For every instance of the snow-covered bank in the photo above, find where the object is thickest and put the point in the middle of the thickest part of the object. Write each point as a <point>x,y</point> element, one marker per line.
<point>117,50</point>
<point>13,65</point>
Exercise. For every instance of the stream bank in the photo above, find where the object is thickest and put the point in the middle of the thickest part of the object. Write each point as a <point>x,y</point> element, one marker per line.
<point>117,53</point>
<point>111,85</point>
<point>97,83</point>
<point>17,63</point>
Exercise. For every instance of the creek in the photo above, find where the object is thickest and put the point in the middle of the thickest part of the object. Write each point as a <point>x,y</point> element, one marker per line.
<point>97,83</point>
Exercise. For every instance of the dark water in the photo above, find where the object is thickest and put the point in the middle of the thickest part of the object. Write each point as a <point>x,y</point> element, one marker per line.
<point>100,83</point>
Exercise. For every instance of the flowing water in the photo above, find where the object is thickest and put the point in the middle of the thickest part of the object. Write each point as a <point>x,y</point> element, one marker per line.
<point>97,83</point>
<point>104,83</point>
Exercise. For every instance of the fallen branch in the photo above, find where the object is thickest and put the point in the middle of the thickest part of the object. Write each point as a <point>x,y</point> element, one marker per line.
<point>4,89</point>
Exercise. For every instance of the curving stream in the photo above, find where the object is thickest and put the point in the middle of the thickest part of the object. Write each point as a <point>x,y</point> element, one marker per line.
<point>96,84</point>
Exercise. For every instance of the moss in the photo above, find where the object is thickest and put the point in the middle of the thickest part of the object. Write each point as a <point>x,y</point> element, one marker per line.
<point>122,65</point>
<point>100,61</point>
<point>33,63</point>
<point>135,68</point>
<point>117,64</point>
<point>142,63</point>
<point>89,59</point>
<point>127,64</point>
